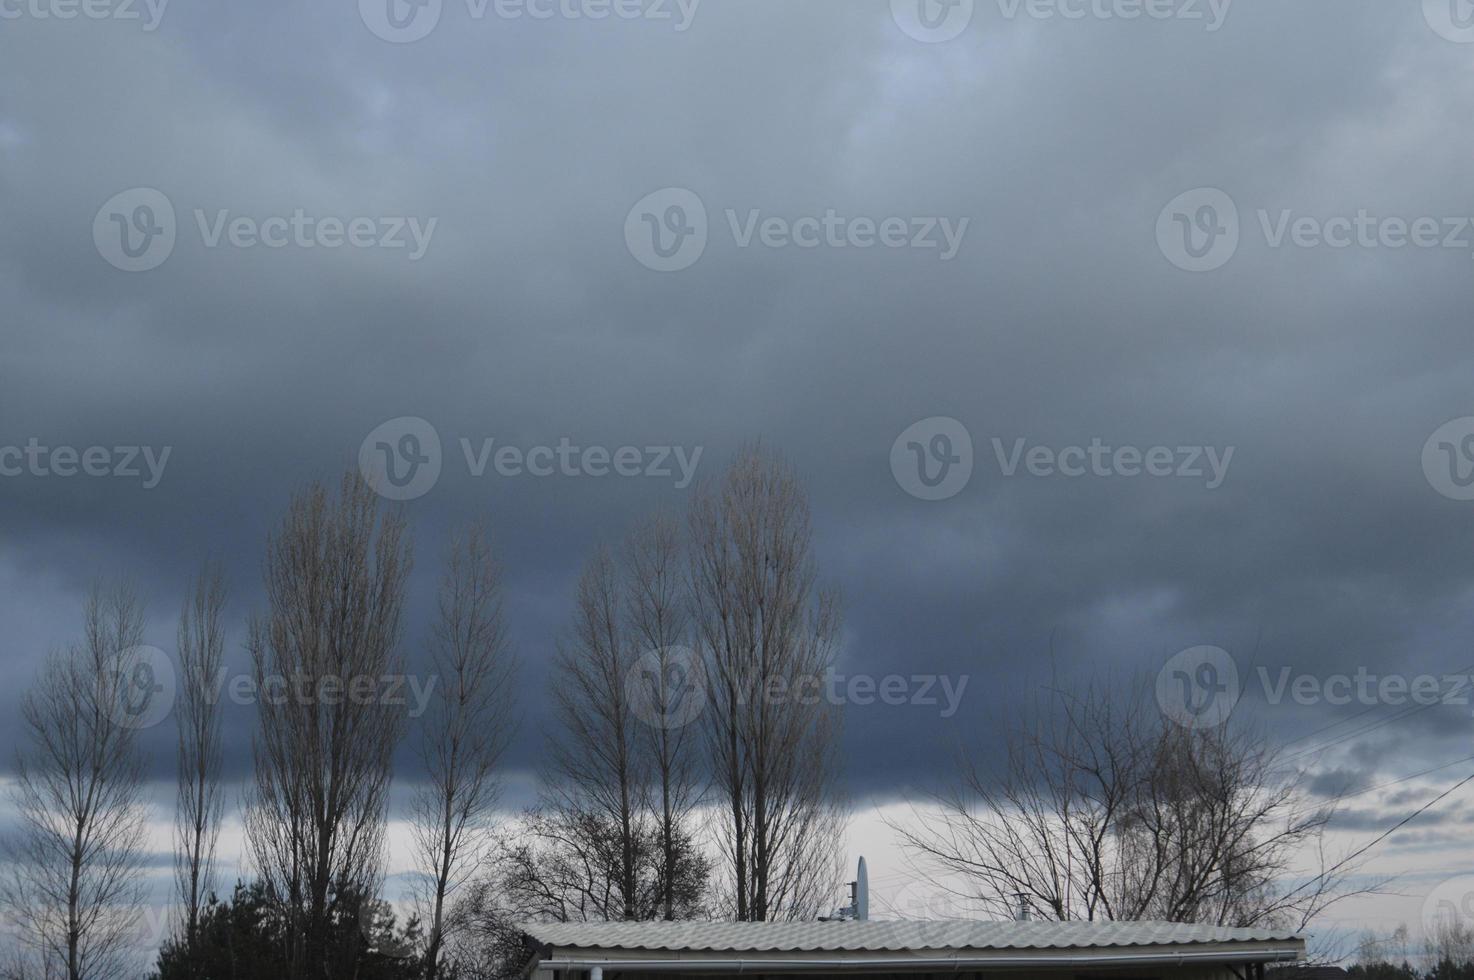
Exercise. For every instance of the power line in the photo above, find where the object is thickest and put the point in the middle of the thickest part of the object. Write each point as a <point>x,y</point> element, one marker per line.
<point>1404,779</point>
<point>1362,714</point>
<point>1335,724</point>
<point>1362,731</point>
<point>1394,829</point>
<point>1388,785</point>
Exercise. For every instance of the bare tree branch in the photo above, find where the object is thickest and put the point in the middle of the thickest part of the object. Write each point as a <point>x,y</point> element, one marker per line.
<point>335,574</point>
<point>73,882</point>
<point>464,735</point>
<point>1106,810</point>
<point>767,634</point>
<point>199,802</point>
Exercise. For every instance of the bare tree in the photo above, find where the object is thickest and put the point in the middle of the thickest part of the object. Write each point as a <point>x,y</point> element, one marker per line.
<point>565,864</point>
<point>598,767</point>
<point>1450,945</point>
<point>73,882</point>
<point>1107,810</point>
<point>1371,954</point>
<point>658,610</point>
<point>768,636</point>
<point>490,945</point>
<point>199,801</point>
<point>335,576</point>
<point>464,734</point>
<point>612,837</point>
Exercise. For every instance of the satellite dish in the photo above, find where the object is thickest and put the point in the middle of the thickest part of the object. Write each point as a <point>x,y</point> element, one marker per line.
<point>862,894</point>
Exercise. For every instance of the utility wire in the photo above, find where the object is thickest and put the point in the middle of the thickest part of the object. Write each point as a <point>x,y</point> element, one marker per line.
<point>1361,714</point>
<point>1394,829</point>
<point>1404,779</point>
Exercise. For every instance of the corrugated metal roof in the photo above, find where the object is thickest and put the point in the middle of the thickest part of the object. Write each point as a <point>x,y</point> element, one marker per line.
<point>886,936</point>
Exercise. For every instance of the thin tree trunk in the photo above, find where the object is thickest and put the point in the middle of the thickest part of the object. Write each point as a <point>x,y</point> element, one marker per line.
<point>463,736</point>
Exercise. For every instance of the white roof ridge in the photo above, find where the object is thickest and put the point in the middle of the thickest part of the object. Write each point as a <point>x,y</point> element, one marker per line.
<point>890,935</point>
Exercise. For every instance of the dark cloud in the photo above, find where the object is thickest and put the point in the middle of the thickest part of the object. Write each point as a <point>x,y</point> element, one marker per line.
<point>1336,783</point>
<point>529,321</point>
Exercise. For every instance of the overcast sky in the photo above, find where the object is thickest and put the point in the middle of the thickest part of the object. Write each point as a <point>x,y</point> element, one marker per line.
<point>1239,232</point>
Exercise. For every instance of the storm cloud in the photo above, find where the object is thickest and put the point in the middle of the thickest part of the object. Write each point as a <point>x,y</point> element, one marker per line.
<point>832,156</point>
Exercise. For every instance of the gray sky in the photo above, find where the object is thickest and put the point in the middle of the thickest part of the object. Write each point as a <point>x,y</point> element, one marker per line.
<point>1322,353</point>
